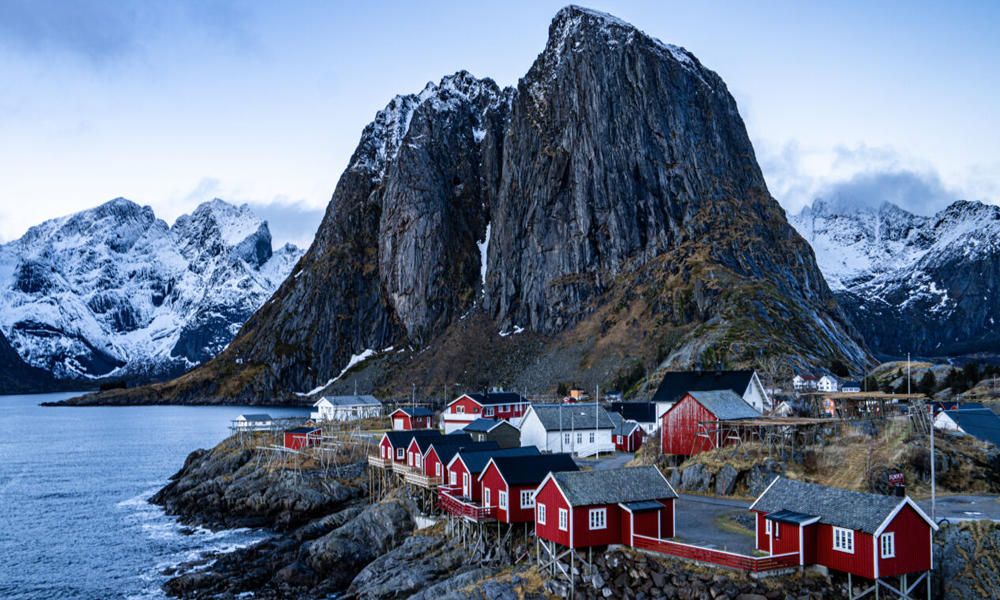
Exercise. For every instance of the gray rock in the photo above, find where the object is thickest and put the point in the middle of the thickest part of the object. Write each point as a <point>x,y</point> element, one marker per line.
<point>761,475</point>
<point>696,478</point>
<point>725,480</point>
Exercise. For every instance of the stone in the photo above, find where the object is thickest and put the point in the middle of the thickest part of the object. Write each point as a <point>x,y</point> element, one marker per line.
<point>725,480</point>
<point>696,478</point>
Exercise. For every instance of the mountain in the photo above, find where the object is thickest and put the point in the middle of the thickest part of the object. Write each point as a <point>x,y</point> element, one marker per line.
<point>114,292</point>
<point>18,377</point>
<point>607,209</point>
<point>923,285</point>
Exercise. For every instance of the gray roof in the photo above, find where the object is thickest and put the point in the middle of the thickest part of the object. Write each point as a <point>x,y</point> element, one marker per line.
<point>483,425</point>
<point>574,416</point>
<point>859,511</point>
<point>613,486</point>
<point>415,411</point>
<point>726,405</point>
<point>256,417</point>
<point>625,428</point>
<point>364,400</point>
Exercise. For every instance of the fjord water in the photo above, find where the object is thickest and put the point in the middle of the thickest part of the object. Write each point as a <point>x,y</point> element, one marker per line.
<point>74,521</point>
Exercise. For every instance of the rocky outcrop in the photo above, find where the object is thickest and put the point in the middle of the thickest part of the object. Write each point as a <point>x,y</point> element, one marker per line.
<point>966,564</point>
<point>749,481</point>
<point>610,207</point>
<point>18,377</point>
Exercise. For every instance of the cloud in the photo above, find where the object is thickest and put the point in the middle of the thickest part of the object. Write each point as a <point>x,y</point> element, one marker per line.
<point>920,193</point>
<point>294,221</point>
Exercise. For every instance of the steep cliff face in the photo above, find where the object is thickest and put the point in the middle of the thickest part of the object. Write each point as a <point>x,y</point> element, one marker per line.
<point>912,284</point>
<point>16,376</point>
<point>610,207</point>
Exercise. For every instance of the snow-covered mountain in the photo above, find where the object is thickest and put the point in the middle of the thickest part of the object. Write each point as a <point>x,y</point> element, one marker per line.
<point>926,285</point>
<point>114,291</point>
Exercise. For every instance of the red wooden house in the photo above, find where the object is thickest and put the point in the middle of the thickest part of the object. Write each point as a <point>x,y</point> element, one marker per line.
<point>509,483</point>
<point>441,451</point>
<point>412,417</point>
<point>465,468</point>
<point>704,420</point>
<point>611,506</point>
<point>394,443</point>
<point>493,405</point>
<point>300,437</point>
<point>868,535</point>
<point>416,450</point>
<point>627,435</point>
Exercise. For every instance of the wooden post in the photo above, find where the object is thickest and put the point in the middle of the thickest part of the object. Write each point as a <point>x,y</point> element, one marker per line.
<point>572,574</point>
<point>850,587</point>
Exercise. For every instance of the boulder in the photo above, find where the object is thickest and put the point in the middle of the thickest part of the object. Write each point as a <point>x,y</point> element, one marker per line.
<point>725,480</point>
<point>696,478</point>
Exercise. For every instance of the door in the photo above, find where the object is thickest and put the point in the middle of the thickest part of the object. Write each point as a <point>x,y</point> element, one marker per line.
<point>465,485</point>
<point>398,425</point>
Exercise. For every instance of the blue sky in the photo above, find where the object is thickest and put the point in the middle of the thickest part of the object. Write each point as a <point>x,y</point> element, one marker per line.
<point>173,103</point>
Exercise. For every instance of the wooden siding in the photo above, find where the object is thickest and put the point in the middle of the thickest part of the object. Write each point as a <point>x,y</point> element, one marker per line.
<point>630,443</point>
<point>552,498</point>
<point>763,540</point>
<point>786,537</point>
<point>860,563</point>
<point>679,427</point>
<point>430,466</point>
<point>913,544</point>
<point>809,544</point>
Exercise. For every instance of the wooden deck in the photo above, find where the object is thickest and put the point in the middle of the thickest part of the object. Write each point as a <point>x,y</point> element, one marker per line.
<point>450,501</point>
<point>420,480</point>
<point>742,562</point>
<point>377,461</point>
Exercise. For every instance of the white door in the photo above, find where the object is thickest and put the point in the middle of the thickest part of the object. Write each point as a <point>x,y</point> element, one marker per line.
<point>465,485</point>
<point>398,424</point>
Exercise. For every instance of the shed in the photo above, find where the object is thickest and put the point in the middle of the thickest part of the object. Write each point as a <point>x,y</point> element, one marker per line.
<point>627,435</point>
<point>412,417</point>
<point>643,413</point>
<point>509,483</point>
<point>704,420</point>
<point>863,534</point>
<point>605,506</point>
<point>501,432</point>
<point>300,437</point>
<point>253,421</point>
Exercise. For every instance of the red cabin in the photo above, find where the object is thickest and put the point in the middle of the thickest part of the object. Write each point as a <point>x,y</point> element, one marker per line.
<point>600,507</point>
<point>628,436</point>
<point>494,405</point>
<point>704,420</point>
<point>412,417</point>
<point>465,468</point>
<point>509,483</point>
<point>394,443</point>
<point>420,444</point>
<point>862,534</point>
<point>300,437</point>
<point>442,450</point>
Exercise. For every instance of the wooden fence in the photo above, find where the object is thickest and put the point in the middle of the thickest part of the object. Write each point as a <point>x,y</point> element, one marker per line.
<point>742,562</point>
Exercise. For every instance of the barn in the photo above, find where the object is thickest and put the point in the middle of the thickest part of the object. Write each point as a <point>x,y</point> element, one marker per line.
<point>501,432</point>
<point>412,417</point>
<point>393,445</point>
<point>600,507</point>
<point>509,483</point>
<point>500,405</point>
<point>704,420</point>
<point>862,534</point>
<point>300,437</point>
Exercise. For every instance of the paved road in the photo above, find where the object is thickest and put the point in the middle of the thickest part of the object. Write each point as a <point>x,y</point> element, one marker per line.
<point>697,522</point>
<point>964,508</point>
<point>613,461</point>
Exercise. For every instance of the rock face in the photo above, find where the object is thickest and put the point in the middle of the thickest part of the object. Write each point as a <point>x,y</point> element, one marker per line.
<point>612,195</point>
<point>915,284</point>
<point>114,291</point>
<point>965,564</point>
<point>16,376</point>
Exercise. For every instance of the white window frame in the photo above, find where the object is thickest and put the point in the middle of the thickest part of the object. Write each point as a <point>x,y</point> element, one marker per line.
<point>777,530</point>
<point>486,497</point>
<point>566,438</point>
<point>598,518</point>
<point>563,519</point>
<point>888,545</point>
<point>579,438</point>
<point>591,437</point>
<point>843,540</point>
<point>400,453</point>
<point>502,500</point>
<point>417,460</point>
<point>488,412</point>
<point>527,498</point>
<point>453,478</point>
<point>437,470</point>
<point>460,410</point>
<point>540,517</point>
<point>767,526</point>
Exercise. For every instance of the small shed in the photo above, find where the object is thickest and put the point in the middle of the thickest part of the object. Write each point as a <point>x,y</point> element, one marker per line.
<point>300,437</point>
<point>643,413</point>
<point>501,432</point>
<point>412,417</point>
<point>509,483</point>
<point>704,420</point>
<point>604,506</point>
<point>863,534</point>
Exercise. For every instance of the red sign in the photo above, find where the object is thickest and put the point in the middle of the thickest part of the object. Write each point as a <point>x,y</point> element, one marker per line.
<point>896,479</point>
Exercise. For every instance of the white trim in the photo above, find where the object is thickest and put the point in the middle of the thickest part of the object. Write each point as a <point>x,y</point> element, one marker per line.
<point>882,539</point>
<point>486,497</point>
<point>846,539</point>
<point>540,513</point>
<point>563,525</point>
<point>898,508</point>
<point>659,525</point>
<point>531,496</point>
<point>602,514</point>
<point>503,502</point>
<point>875,554</point>
<point>768,526</point>
<point>802,556</point>
<point>762,494</point>
<point>931,532</point>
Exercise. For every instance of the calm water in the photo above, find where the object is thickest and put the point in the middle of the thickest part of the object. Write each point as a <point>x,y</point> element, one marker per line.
<point>74,522</point>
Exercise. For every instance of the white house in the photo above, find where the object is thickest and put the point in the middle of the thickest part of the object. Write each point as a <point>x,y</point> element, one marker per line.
<point>582,429</point>
<point>804,382</point>
<point>253,422</point>
<point>346,408</point>
<point>828,383</point>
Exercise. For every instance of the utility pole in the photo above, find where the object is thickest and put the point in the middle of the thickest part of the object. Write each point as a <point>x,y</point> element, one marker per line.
<point>413,397</point>
<point>597,415</point>
<point>933,482</point>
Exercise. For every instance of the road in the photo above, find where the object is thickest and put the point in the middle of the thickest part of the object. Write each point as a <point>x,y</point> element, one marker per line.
<point>964,508</point>
<point>697,522</point>
<point>613,461</point>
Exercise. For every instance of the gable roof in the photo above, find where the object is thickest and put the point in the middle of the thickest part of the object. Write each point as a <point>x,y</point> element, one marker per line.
<point>494,398</point>
<point>859,511</point>
<point>255,417</point>
<point>675,384</point>
<point>414,411</point>
<point>613,486</point>
<point>569,417</point>
<point>365,400</point>
<point>402,439</point>
<point>640,412</point>
<point>807,376</point>
<point>485,425</point>
<point>424,442</point>
<point>305,429</point>
<point>981,423</point>
<point>446,451</point>
<point>951,404</point>
<point>625,428</point>
<point>475,462</point>
<point>531,470</point>
<point>726,405</point>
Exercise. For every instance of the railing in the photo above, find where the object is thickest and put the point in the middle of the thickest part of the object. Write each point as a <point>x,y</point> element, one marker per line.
<point>592,449</point>
<point>403,468</point>
<point>753,564</point>
<point>460,508</point>
<point>425,481</point>
<point>377,461</point>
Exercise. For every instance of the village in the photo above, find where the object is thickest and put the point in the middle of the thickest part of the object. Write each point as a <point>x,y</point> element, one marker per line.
<point>565,478</point>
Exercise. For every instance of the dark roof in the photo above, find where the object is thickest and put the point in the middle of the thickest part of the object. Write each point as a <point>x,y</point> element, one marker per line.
<point>525,470</point>
<point>675,384</point>
<point>642,506</point>
<point>573,416</point>
<point>403,438</point>
<point>640,412</point>
<point>494,398</point>
<point>475,462</point>
<point>851,384</point>
<point>949,405</point>
<point>788,516</point>
<point>363,400</point>
<point>981,423</point>
<point>415,411</point>
<point>613,486</point>
<point>257,417</point>
<point>447,451</point>
<point>302,430</point>
<point>726,405</point>
<point>859,511</point>
<point>424,442</point>
<point>485,425</point>
<point>625,428</point>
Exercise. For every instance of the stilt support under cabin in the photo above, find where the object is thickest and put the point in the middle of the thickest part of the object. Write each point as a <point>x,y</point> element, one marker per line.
<point>903,590</point>
<point>551,558</point>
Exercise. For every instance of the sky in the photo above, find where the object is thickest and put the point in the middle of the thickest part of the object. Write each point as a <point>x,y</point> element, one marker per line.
<point>171,104</point>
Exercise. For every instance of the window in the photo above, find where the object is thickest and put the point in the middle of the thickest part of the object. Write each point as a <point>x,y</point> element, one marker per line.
<point>563,519</point>
<point>540,509</point>
<point>888,545</point>
<point>437,469</point>
<point>488,412</point>
<point>579,438</point>
<point>598,518</point>
<point>399,454</point>
<point>416,460</point>
<point>565,438</point>
<point>475,410</point>
<point>527,498</point>
<point>843,540</point>
<point>503,408</point>
<point>591,437</point>
<point>619,439</point>
<point>453,478</point>
<point>767,526</point>
<point>486,496</point>
<point>503,500</point>
<point>461,410</point>
<point>777,530</point>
